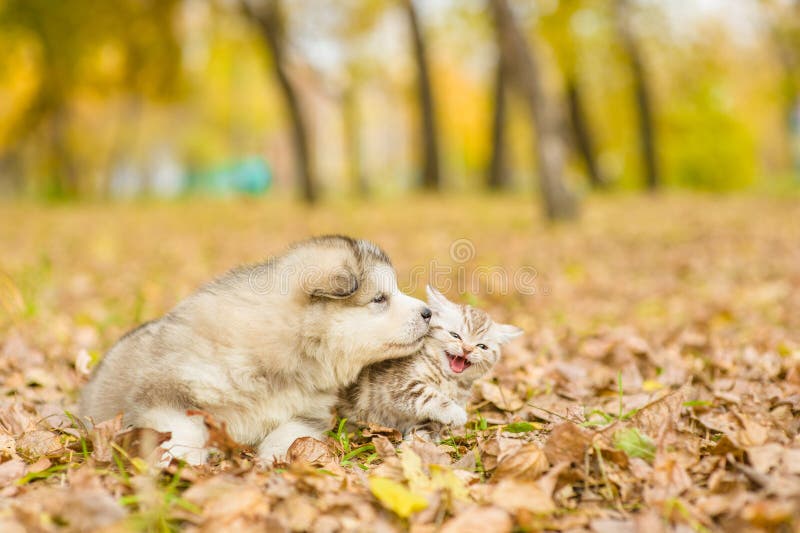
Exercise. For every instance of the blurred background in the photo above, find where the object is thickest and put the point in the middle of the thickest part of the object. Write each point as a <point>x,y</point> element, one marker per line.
<point>323,98</point>
<point>147,145</point>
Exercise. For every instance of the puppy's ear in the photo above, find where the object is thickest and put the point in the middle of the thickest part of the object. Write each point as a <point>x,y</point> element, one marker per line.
<point>506,332</point>
<point>437,301</point>
<point>338,283</point>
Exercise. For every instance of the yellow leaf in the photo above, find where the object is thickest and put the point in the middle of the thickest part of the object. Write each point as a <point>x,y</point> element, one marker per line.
<point>444,478</point>
<point>412,471</point>
<point>396,497</point>
<point>651,385</point>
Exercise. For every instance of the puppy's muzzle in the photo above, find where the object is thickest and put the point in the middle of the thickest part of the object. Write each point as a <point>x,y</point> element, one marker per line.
<point>426,314</point>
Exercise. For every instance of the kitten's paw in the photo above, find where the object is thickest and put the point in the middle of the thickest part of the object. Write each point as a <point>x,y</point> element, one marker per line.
<point>420,434</point>
<point>452,415</point>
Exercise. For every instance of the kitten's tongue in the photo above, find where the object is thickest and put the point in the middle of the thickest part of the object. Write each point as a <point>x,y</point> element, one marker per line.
<point>458,364</point>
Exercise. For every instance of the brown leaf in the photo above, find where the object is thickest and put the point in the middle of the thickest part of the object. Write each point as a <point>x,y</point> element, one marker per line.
<point>752,433</point>
<point>225,498</point>
<point>34,444</point>
<point>715,504</point>
<point>725,446</point>
<point>597,348</point>
<point>87,509</point>
<point>527,464</point>
<point>310,451</point>
<point>765,458</point>
<point>669,479</point>
<point>83,505</point>
<point>42,464</point>
<point>607,525</point>
<point>514,496</point>
<point>383,447</point>
<point>477,519</point>
<point>218,436</point>
<point>11,471</point>
<point>660,415</point>
<point>618,457</point>
<point>500,396</point>
<point>392,434</point>
<point>791,461</point>
<point>15,419</point>
<point>769,514</point>
<point>567,443</point>
<point>8,446</point>
<point>9,525</point>
<point>297,512</point>
<point>428,452</point>
<point>102,435</point>
<point>495,448</point>
<point>467,462</point>
<point>553,408</point>
<point>141,442</point>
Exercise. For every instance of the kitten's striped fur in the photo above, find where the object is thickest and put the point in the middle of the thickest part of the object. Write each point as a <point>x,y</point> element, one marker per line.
<point>430,388</point>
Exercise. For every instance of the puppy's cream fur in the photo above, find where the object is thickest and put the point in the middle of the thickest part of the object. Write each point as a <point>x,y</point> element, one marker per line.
<point>263,348</point>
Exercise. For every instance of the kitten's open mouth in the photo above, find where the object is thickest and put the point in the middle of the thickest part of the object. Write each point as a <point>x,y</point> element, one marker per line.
<point>458,363</point>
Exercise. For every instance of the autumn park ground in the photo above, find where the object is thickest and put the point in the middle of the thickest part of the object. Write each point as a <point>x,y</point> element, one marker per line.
<point>657,386</point>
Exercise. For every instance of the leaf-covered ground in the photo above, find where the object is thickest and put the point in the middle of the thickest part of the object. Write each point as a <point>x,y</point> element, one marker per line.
<point>657,386</point>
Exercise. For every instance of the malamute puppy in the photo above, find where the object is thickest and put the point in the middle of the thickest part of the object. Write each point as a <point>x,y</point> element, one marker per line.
<point>263,348</point>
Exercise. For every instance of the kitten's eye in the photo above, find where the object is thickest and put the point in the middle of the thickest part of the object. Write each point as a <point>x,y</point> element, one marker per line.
<point>455,335</point>
<point>379,299</point>
<point>483,347</point>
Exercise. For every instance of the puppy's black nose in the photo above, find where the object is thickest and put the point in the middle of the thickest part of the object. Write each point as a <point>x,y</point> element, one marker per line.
<point>426,314</point>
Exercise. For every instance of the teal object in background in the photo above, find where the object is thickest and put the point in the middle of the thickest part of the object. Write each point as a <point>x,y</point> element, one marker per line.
<point>251,176</point>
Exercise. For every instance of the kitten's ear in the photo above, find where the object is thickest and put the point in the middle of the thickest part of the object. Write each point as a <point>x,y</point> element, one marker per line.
<point>506,332</point>
<point>437,301</point>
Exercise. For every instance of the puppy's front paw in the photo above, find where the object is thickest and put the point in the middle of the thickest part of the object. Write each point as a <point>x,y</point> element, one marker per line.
<point>192,455</point>
<point>270,453</point>
<point>452,415</point>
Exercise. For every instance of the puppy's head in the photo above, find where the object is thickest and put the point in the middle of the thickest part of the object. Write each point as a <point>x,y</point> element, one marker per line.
<point>355,307</point>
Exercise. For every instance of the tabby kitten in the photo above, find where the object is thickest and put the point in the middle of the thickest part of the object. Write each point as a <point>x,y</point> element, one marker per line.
<point>430,389</point>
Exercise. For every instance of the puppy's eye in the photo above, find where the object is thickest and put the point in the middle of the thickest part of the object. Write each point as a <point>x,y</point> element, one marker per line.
<point>455,335</point>
<point>379,299</point>
<point>483,347</point>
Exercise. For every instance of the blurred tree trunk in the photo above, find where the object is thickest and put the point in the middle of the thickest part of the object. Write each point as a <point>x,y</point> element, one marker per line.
<point>581,133</point>
<point>642,94</point>
<point>270,21</point>
<point>430,146</point>
<point>790,99</point>
<point>785,33</point>
<point>124,140</point>
<point>11,174</point>
<point>521,65</point>
<point>62,165</point>
<point>48,114</point>
<point>497,175</point>
<point>352,140</point>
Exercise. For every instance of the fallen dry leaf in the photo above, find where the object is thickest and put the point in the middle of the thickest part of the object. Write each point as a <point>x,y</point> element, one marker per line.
<point>396,497</point>
<point>34,444</point>
<point>567,442</point>
<point>477,519</point>
<point>11,471</point>
<point>383,446</point>
<point>515,496</point>
<point>311,451</point>
<point>102,435</point>
<point>526,464</point>
<point>501,397</point>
